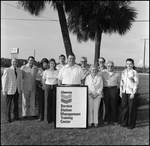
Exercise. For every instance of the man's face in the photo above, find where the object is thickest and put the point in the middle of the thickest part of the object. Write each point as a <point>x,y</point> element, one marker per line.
<point>31,61</point>
<point>101,62</point>
<point>14,62</point>
<point>129,64</point>
<point>62,60</point>
<point>71,60</point>
<point>83,61</point>
<point>110,67</point>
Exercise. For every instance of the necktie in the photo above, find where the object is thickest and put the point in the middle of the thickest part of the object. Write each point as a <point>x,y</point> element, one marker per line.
<point>15,72</point>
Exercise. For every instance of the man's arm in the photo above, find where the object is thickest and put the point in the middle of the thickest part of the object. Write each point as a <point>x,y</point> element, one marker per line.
<point>5,79</point>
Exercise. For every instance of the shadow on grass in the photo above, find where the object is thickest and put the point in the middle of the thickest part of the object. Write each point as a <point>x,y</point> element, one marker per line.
<point>142,111</point>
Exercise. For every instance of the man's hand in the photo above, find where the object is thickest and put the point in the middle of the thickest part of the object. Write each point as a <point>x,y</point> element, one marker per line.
<point>131,96</point>
<point>120,94</point>
<point>91,95</point>
<point>4,93</point>
<point>96,95</point>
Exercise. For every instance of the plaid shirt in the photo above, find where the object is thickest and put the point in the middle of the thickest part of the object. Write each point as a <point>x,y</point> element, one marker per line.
<point>9,81</point>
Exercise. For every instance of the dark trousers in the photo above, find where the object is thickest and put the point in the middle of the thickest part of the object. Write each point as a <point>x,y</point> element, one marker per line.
<point>111,99</point>
<point>128,111</point>
<point>50,101</point>
<point>9,99</point>
<point>40,101</point>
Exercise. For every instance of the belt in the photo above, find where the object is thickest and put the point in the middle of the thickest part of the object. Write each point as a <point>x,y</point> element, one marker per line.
<point>71,84</point>
<point>111,87</point>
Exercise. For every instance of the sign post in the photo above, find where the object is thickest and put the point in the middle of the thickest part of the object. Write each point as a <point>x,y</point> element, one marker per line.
<point>71,107</point>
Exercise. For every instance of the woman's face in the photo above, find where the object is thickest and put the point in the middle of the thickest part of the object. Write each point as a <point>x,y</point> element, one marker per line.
<point>129,65</point>
<point>94,71</point>
<point>52,64</point>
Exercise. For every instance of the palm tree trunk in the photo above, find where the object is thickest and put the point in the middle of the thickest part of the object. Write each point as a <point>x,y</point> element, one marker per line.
<point>98,37</point>
<point>64,28</point>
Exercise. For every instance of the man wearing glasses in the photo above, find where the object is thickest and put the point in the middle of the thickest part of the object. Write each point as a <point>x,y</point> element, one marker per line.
<point>111,83</point>
<point>85,66</point>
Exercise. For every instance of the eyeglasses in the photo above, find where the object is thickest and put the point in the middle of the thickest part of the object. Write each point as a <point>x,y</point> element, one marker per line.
<point>101,61</point>
<point>83,61</point>
<point>109,66</point>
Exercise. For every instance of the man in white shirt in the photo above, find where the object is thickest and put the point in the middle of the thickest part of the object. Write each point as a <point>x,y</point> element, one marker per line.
<point>71,74</point>
<point>62,62</point>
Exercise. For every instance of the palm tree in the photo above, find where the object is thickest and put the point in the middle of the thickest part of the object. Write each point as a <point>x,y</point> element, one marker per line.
<point>35,7</point>
<point>89,19</point>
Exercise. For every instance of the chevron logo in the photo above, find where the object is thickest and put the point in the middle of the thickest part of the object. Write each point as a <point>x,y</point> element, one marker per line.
<point>66,96</point>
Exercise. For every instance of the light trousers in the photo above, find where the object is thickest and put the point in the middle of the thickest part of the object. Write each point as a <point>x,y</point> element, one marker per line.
<point>93,109</point>
<point>28,103</point>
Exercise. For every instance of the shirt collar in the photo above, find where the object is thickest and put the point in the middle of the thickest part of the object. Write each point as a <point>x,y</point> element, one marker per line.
<point>13,67</point>
<point>27,65</point>
<point>67,66</point>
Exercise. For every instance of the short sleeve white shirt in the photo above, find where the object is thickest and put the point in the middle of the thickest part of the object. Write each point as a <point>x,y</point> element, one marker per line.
<point>50,77</point>
<point>71,75</point>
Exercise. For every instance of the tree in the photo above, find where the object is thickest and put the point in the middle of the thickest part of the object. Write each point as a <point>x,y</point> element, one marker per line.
<point>36,7</point>
<point>89,19</point>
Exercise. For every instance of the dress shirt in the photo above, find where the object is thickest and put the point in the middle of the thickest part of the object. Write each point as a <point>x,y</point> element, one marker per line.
<point>71,75</point>
<point>110,80</point>
<point>95,85</point>
<point>59,66</point>
<point>50,77</point>
<point>129,81</point>
<point>86,70</point>
<point>29,76</point>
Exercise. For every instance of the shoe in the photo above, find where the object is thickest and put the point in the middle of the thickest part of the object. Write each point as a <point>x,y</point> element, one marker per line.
<point>16,119</point>
<point>24,117</point>
<point>9,121</point>
<point>96,125</point>
<point>47,122</point>
<point>39,120</point>
<point>34,116</point>
<point>89,125</point>
<point>115,123</point>
<point>130,127</point>
<point>105,123</point>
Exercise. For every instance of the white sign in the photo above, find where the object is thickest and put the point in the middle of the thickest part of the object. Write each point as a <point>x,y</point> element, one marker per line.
<point>15,50</point>
<point>71,107</point>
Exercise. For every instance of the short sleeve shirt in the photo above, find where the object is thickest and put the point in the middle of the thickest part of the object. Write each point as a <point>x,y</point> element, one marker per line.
<point>71,75</point>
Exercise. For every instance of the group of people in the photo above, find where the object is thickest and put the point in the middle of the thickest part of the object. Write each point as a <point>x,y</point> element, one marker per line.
<point>105,87</point>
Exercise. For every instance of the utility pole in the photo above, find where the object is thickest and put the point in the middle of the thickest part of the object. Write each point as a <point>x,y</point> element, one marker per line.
<point>34,54</point>
<point>144,53</point>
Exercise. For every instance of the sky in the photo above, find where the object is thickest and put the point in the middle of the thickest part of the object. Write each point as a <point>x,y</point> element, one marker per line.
<point>45,38</point>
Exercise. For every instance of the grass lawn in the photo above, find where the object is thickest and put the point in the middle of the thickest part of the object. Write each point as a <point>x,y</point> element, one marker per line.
<point>30,132</point>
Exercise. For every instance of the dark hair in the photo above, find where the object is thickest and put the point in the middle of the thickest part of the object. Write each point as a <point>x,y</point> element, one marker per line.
<point>44,60</point>
<point>53,60</point>
<point>131,60</point>
<point>31,57</point>
<point>103,59</point>
<point>62,56</point>
<point>71,54</point>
